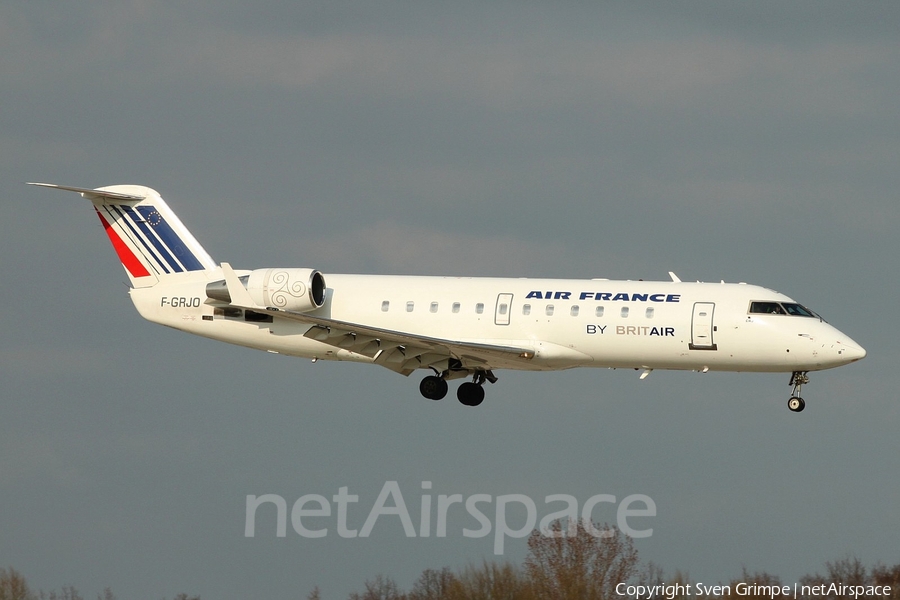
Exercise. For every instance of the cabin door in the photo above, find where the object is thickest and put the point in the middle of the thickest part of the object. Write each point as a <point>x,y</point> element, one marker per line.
<point>501,312</point>
<point>702,327</point>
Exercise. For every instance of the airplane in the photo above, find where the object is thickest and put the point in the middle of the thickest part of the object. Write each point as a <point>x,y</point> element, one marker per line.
<point>460,327</point>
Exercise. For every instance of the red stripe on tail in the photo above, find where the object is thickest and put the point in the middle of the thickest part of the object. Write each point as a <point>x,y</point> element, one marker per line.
<point>131,262</point>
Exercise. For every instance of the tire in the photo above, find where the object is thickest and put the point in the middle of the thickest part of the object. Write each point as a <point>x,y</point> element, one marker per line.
<point>470,394</point>
<point>433,388</point>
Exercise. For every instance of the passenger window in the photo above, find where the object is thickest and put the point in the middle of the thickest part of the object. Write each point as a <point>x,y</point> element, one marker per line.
<point>549,310</point>
<point>410,306</point>
<point>624,312</point>
<point>649,313</point>
<point>385,305</point>
<point>526,309</point>
<point>574,311</point>
<point>502,309</point>
<point>433,308</point>
<point>479,308</point>
<point>455,307</point>
<point>598,311</point>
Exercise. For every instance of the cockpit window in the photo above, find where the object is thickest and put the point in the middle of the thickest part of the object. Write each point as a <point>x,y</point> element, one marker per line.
<point>766,308</point>
<point>781,308</point>
<point>798,310</point>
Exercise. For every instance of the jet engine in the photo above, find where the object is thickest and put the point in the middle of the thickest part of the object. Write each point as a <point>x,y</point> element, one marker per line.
<point>297,290</point>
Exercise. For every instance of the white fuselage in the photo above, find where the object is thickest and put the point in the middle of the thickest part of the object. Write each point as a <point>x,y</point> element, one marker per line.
<point>567,323</point>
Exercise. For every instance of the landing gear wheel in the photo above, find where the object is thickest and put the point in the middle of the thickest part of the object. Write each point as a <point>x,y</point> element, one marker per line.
<point>796,404</point>
<point>433,387</point>
<point>798,378</point>
<point>470,394</point>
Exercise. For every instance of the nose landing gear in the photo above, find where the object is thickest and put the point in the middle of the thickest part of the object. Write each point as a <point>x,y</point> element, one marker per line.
<point>796,404</point>
<point>798,378</point>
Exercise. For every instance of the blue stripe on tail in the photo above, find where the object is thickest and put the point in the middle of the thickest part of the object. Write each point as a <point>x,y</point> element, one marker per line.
<point>159,256</point>
<point>170,238</point>
<point>165,258</point>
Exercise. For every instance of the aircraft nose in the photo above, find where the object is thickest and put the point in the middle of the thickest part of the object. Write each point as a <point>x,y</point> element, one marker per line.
<point>851,350</point>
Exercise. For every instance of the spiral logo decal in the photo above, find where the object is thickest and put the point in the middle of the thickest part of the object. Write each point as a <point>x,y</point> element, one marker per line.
<point>285,289</point>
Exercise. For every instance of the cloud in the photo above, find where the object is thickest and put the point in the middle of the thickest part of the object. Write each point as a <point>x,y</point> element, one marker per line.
<point>388,247</point>
<point>513,72</point>
<point>515,68</point>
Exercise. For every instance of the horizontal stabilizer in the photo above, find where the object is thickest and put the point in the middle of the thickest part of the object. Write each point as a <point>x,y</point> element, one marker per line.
<point>94,193</point>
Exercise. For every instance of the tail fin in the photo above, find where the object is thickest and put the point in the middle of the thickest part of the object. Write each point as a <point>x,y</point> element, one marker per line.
<point>150,239</point>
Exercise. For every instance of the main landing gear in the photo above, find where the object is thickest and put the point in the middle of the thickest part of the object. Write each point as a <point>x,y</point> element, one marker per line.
<point>470,393</point>
<point>796,403</point>
<point>433,387</point>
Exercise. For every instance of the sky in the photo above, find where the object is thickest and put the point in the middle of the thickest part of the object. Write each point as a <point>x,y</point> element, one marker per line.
<point>753,142</point>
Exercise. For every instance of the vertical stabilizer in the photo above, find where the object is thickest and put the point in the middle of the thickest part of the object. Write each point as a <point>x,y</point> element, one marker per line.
<point>149,239</point>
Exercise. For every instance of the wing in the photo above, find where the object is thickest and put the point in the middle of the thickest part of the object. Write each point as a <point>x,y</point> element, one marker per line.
<point>399,351</point>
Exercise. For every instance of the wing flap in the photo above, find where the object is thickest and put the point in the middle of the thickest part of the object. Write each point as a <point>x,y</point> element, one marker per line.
<point>334,331</point>
<point>366,345</point>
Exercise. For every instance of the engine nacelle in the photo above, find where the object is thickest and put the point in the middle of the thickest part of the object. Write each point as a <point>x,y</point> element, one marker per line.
<point>297,290</point>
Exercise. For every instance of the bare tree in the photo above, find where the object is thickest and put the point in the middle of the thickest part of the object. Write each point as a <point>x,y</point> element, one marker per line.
<point>848,571</point>
<point>651,574</point>
<point>577,563</point>
<point>753,581</point>
<point>491,582</point>
<point>433,585</point>
<point>66,593</point>
<point>382,588</point>
<point>13,586</point>
<point>882,575</point>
